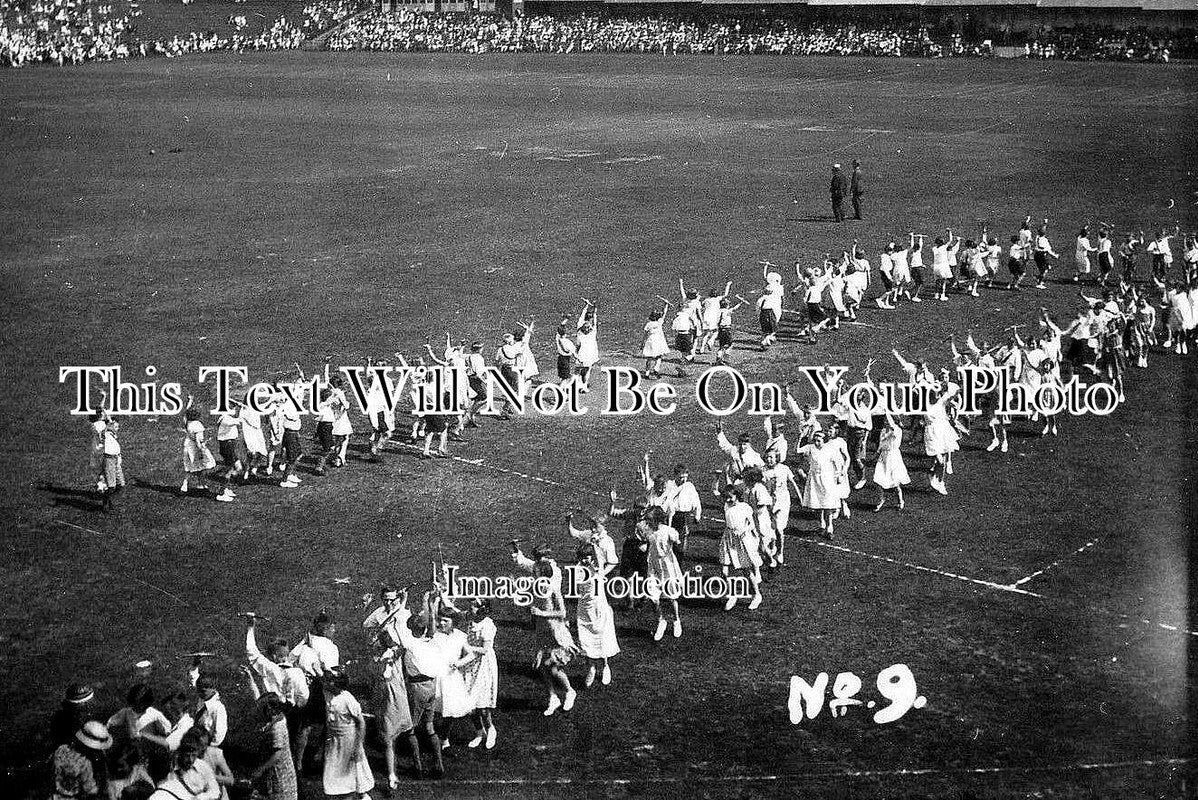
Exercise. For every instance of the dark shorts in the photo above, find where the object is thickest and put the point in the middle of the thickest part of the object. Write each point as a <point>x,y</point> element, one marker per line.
<point>684,342</point>
<point>477,386</point>
<point>228,451</point>
<point>1041,262</point>
<point>422,698</point>
<point>324,435</point>
<point>292,447</point>
<point>564,363</point>
<point>1104,263</point>
<point>1015,265</point>
<point>815,312</point>
<point>886,281</point>
<point>769,322</point>
<point>855,439</point>
<point>723,337</point>
<point>436,423</point>
<point>379,422</point>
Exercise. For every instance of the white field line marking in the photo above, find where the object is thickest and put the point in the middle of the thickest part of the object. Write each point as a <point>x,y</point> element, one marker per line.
<point>1011,588</point>
<point>73,525</point>
<point>988,584</point>
<point>1040,572</point>
<point>815,776</point>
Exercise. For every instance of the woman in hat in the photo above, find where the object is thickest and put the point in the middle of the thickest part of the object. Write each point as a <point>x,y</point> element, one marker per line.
<point>79,764</point>
<point>75,710</point>
<point>345,769</point>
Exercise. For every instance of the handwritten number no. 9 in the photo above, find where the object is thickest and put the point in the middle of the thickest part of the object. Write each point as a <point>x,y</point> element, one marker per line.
<point>897,684</point>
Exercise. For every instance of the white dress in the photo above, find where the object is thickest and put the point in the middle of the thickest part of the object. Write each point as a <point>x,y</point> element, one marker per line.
<point>939,436</point>
<point>251,431</point>
<point>482,674</point>
<point>530,369</point>
<point>663,564</point>
<point>890,471</point>
<point>596,622</point>
<point>196,457</point>
<point>739,546</point>
<point>346,770</point>
<point>825,473</point>
<point>452,698</point>
<point>655,345</point>
<point>588,348</point>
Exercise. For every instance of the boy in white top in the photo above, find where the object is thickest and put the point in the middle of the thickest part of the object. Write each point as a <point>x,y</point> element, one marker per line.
<point>682,499</point>
<point>886,271</point>
<point>1041,252</point>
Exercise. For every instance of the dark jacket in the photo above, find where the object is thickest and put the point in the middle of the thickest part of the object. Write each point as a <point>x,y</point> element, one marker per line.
<point>858,183</point>
<point>840,183</point>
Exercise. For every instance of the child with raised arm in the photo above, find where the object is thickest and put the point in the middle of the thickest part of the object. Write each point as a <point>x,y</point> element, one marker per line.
<point>653,346</point>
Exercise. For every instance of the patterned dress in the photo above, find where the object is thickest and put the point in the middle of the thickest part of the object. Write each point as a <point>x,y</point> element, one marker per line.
<point>279,782</point>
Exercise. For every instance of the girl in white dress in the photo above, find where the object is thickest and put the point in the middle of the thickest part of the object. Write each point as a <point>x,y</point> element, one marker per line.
<point>255,441</point>
<point>529,370</point>
<point>453,701</point>
<point>826,467</point>
<point>346,771</point>
<point>757,496</point>
<point>482,674</point>
<point>596,622</point>
<point>890,472</point>
<point>664,584</point>
<point>197,458</point>
<point>941,267</point>
<point>654,345</point>
<point>587,353</point>
<point>739,548</point>
<point>940,439</point>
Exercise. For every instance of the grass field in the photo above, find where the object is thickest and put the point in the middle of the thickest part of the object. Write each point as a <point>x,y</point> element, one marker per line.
<point>265,209</point>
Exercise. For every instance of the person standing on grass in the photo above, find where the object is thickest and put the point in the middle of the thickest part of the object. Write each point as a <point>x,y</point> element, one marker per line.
<point>1106,262</point>
<point>821,492</point>
<point>993,255</point>
<point>839,189</point>
<point>1081,255</point>
<point>916,250</point>
<point>664,584</point>
<point>274,774</point>
<point>1041,252</point>
<point>529,370</point>
<point>758,497</point>
<point>634,551</point>
<point>281,678</point>
<point>857,188</point>
<point>941,265</point>
<point>114,468</point>
<point>316,656</point>
<point>682,500</point>
<point>556,647</point>
<point>723,336</point>
<point>686,327</point>
<point>566,350</point>
<point>654,346</point>
<point>769,308</point>
<point>709,314</point>
<point>1016,259</point>
<point>587,348</point>
<point>197,458</point>
<point>940,438</point>
<point>889,471</point>
<point>739,547</point>
<point>346,771</point>
<point>596,620</point>
<point>779,479</point>
<point>482,673</point>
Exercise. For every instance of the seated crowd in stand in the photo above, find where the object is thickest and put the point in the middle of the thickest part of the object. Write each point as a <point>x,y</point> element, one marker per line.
<point>62,31</point>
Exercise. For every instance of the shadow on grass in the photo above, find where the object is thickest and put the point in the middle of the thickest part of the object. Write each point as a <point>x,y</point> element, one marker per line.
<point>82,499</point>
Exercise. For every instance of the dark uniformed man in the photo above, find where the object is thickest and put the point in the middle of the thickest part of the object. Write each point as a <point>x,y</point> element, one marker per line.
<point>857,189</point>
<point>840,191</point>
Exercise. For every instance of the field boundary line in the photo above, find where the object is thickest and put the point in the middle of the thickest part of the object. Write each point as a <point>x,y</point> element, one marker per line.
<point>907,564</point>
<point>817,776</point>
<point>1056,563</point>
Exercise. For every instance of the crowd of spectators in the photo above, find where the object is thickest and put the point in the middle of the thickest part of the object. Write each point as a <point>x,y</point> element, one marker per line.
<point>475,33</point>
<point>480,33</point>
<point>62,31</point>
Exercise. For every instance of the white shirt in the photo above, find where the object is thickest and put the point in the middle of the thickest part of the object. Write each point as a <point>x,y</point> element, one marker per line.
<point>286,681</point>
<point>315,655</point>
<point>684,497</point>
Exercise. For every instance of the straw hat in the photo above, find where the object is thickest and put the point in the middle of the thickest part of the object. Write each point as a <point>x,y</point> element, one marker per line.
<point>94,735</point>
